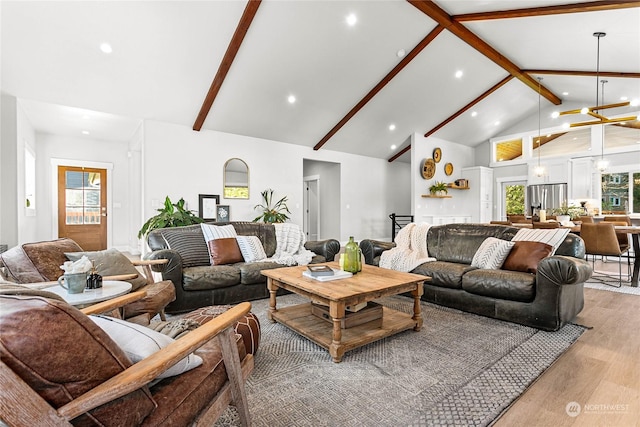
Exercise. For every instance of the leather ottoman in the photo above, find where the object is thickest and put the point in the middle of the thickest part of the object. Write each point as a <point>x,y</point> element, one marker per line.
<point>248,327</point>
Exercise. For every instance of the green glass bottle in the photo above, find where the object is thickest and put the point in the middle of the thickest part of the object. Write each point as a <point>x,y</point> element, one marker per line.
<point>352,262</point>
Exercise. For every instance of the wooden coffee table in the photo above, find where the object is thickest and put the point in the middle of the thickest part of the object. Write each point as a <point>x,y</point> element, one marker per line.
<point>371,283</point>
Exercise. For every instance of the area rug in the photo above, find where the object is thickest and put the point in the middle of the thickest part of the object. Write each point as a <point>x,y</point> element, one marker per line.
<point>459,370</point>
<point>624,289</point>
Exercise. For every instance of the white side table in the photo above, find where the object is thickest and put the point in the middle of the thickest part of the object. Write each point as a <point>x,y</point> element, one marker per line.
<point>110,289</point>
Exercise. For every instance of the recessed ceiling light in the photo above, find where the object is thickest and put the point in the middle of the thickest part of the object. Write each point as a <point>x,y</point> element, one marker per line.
<point>392,127</point>
<point>85,132</point>
<point>623,98</point>
<point>401,53</point>
<point>474,113</point>
<point>106,48</point>
<point>575,138</point>
<point>291,99</point>
<point>352,19</point>
<point>635,103</point>
<point>85,116</point>
<point>459,74</point>
<point>555,114</point>
<point>497,123</point>
<point>565,126</point>
<point>565,93</point>
<point>394,146</point>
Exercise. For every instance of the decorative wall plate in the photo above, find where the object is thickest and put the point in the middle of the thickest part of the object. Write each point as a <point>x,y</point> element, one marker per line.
<point>437,155</point>
<point>428,169</point>
<point>448,169</point>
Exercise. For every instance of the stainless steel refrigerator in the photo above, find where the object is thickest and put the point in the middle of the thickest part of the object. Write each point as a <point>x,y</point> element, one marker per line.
<point>546,196</point>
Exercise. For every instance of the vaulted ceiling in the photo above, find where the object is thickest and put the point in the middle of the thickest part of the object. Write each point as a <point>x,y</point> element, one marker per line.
<point>231,66</point>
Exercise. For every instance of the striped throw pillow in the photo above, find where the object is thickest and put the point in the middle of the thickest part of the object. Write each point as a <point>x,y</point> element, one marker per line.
<point>251,248</point>
<point>212,232</point>
<point>189,243</point>
<point>553,237</point>
<point>492,253</point>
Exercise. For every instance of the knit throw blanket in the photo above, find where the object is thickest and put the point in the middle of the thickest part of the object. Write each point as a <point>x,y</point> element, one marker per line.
<point>290,248</point>
<point>410,250</point>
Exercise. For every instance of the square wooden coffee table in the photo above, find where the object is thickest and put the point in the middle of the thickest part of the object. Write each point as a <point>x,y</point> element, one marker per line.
<point>371,283</point>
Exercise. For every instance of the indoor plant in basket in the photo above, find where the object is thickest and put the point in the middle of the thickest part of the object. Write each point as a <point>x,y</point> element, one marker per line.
<point>171,215</point>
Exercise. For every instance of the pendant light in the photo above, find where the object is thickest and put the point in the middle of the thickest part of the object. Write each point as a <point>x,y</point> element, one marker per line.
<point>602,163</point>
<point>596,112</point>
<point>539,170</point>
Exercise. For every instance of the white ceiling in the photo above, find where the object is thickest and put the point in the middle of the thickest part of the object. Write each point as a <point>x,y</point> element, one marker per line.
<point>166,53</point>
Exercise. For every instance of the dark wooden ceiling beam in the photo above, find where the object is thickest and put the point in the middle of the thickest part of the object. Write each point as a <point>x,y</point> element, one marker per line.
<point>595,6</point>
<point>611,74</point>
<point>400,153</point>
<point>469,105</point>
<point>403,63</point>
<point>457,114</point>
<point>441,17</point>
<point>233,48</point>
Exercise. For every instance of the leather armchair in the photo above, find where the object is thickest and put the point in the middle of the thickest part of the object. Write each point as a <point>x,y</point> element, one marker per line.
<point>75,373</point>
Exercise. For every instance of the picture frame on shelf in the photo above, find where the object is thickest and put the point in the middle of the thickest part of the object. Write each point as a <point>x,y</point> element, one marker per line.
<point>207,204</point>
<point>223,213</point>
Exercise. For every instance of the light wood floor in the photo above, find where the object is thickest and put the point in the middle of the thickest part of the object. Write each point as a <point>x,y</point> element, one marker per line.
<point>601,371</point>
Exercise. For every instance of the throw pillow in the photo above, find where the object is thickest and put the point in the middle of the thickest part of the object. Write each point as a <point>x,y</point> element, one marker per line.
<point>189,243</point>
<point>553,237</point>
<point>492,253</point>
<point>47,257</point>
<point>139,342</point>
<point>224,251</point>
<point>212,232</point>
<point>111,263</point>
<point>251,248</point>
<point>525,256</point>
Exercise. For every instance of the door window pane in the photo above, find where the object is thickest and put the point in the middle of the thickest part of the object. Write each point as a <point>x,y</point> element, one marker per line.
<point>82,197</point>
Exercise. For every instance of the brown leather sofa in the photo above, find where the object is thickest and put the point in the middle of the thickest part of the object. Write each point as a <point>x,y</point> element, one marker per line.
<point>546,300</point>
<point>199,284</point>
<point>39,262</point>
<point>57,366</point>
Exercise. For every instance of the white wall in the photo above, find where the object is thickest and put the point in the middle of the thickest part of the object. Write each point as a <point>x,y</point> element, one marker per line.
<point>460,156</point>
<point>179,162</point>
<point>8,171</point>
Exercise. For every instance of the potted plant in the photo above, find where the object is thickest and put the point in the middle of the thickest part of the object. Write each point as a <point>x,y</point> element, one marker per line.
<point>439,189</point>
<point>171,215</point>
<point>567,213</point>
<point>275,213</point>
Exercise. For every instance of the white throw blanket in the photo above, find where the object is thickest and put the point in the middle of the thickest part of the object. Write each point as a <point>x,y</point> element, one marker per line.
<point>290,248</point>
<point>410,250</point>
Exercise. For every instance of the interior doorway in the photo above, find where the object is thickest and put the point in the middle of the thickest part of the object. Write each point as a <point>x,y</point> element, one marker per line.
<point>311,207</point>
<point>82,206</point>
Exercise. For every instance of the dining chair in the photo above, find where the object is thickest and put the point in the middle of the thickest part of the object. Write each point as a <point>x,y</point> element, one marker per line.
<point>585,219</point>
<point>601,240</point>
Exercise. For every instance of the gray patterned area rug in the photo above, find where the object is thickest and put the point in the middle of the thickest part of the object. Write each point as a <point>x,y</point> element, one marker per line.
<point>459,370</point>
<point>626,288</point>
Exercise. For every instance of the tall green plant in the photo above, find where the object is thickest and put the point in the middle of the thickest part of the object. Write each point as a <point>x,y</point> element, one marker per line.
<point>272,213</point>
<point>171,215</point>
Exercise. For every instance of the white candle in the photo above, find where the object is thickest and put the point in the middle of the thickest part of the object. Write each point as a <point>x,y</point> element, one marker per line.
<point>543,215</point>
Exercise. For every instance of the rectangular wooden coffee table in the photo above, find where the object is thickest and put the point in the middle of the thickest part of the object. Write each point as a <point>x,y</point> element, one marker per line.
<point>371,283</point>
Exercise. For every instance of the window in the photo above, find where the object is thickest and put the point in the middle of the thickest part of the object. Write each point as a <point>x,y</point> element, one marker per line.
<point>620,193</point>
<point>29,178</point>
<point>82,197</point>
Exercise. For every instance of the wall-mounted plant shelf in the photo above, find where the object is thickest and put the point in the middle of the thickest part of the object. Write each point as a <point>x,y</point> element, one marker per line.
<point>453,186</point>
<point>433,196</point>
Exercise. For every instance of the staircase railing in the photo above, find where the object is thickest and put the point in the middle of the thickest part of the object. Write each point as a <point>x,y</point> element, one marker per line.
<point>397,222</point>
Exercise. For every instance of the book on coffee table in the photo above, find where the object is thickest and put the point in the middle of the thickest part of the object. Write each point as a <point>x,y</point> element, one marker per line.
<point>337,274</point>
